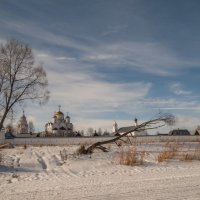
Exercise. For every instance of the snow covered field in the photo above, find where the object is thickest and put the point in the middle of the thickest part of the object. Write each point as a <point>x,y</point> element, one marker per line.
<point>42,173</point>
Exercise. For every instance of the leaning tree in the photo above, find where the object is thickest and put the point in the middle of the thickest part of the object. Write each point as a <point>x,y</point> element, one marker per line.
<point>20,79</point>
<point>159,120</point>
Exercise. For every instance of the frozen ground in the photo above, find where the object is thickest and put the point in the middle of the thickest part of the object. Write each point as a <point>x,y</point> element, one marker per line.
<point>40,173</point>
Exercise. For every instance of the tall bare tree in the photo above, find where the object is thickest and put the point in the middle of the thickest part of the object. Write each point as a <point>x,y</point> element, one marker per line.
<point>20,80</point>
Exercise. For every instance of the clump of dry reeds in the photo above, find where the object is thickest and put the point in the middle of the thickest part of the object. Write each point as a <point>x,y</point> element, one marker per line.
<point>63,155</point>
<point>81,150</point>
<point>195,155</point>
<point>170,151</point>
<point>15,176</point>
<point>197,152</point>
<point>131,157</point>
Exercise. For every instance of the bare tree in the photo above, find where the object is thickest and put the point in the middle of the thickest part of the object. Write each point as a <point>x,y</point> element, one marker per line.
<point>90,131</point>
<point>82,132</point>
<point>31,128</point>
<point>99,132</point>
<point>20,80</point>
<point>106,133</point>
<point>9,128</point>
<point>159,121</point>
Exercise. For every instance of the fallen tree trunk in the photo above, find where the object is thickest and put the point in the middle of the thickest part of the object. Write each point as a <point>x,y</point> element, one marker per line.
<point>151,124</point>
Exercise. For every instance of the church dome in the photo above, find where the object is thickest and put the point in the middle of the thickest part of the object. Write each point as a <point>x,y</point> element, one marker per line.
<point>59,115</point>
<point>23,118</point>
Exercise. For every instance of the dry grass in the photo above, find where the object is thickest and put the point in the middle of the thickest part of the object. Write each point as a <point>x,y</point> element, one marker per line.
<point>165,155</point>
<point>15,176</point>
<point>131,157</point>
<point>170,151</point>
<point>63,155</point>
<point>81,150</point>
<point>195,155</point>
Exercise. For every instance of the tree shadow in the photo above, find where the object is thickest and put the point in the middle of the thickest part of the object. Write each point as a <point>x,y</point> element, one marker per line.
<point>10,169</point>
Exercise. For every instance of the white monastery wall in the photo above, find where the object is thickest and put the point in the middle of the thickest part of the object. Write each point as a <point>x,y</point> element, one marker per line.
<point>90,140</point>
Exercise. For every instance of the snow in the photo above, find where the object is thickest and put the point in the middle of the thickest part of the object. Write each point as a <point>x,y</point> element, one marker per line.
<point>40,173</point>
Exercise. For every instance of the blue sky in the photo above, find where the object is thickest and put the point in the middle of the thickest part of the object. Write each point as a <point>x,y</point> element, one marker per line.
<point>111,59</point>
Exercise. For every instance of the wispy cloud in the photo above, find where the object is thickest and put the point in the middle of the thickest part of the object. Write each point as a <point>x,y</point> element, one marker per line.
<point>40,33</point>
<point>172,103</point>
<point>177,89</point>
<point>148,57</point>
<point>114,29</point>
<point>145,57</point>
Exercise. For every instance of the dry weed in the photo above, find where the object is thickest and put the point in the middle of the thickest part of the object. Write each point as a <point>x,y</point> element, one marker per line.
<point>119,143</point>
<point>186,157</point>
<point>63,155</point>
<point>170,151</point>
<point>142,156</point>
<point>191,156</point>
<point>81,150</point>
<point>164,155</point>
<point>15,176</point>
<point>131,157</point>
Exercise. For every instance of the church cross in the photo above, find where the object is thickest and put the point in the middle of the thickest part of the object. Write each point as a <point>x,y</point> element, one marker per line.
<point>59,107</point>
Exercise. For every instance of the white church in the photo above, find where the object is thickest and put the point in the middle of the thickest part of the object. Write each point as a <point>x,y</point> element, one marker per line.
<point>22,126</point>
<point>119,131</point>
<point>60,126</point>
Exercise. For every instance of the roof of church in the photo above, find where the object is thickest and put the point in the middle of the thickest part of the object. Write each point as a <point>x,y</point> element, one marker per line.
<point>128,128</point>
<point>59,113</point>
<point>125,129</point>
<point>23,118</point>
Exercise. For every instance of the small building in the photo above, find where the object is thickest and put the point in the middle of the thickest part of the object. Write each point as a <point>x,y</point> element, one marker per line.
<point>119,131</point>
<point>78,134</point>
<point>179,132</point>
<point>95,134</point>
<point>197,132</point>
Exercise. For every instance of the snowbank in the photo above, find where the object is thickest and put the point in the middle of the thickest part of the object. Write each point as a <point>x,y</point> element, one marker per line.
<point>41,173</point>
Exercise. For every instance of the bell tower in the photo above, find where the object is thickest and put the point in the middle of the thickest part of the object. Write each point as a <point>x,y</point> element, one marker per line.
<point>115,127</point>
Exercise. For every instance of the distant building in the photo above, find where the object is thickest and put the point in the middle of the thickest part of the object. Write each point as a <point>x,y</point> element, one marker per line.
<point>59,126</point>
<point>22,126</point>
<point>95,134</point>
<point>196,132</point>
<point>179,132</point>
<point>119,131</point>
